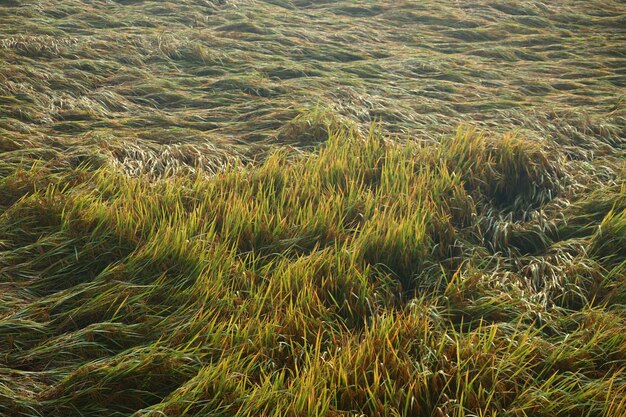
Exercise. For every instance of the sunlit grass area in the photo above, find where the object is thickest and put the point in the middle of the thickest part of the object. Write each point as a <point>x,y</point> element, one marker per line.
<point>268,208</point>
<point>369,276</point>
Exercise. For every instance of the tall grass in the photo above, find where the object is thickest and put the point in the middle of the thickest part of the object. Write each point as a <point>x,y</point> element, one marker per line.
<point>358,279</point>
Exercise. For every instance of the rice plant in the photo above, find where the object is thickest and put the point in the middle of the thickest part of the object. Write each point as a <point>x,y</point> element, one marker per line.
<point>301,208</point>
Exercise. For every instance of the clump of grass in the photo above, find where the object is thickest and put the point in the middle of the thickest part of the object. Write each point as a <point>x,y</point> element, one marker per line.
<point>313,127</point>
<point>511,172</point>
<point>609,242</point>
<point>146,375</point>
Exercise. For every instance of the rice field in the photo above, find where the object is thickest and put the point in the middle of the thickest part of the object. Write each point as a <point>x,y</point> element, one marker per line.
<point>312,208</point>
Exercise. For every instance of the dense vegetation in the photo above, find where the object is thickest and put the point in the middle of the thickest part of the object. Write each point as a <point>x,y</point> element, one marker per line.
<point>215,208</point>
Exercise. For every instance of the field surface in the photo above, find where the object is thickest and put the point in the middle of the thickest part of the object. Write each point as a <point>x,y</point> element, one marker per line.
<point>313,208</point>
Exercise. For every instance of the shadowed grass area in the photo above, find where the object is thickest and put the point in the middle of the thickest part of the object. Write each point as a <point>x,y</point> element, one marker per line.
<point>361,278</point>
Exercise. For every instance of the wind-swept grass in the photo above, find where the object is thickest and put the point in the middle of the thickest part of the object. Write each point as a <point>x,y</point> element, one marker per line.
<point>222,72</point>
<point>356,279</point>
<point>265,208</point>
